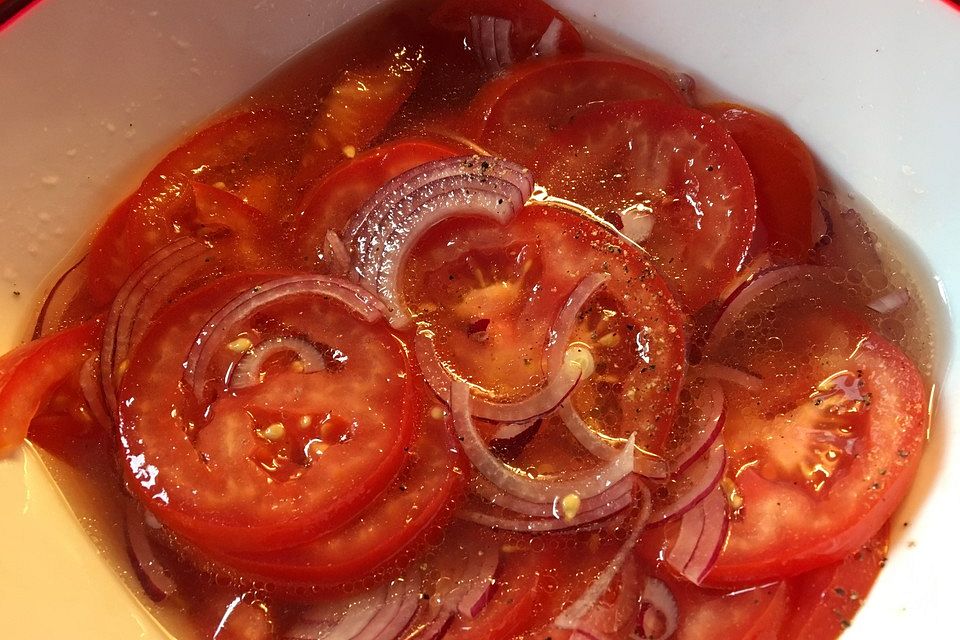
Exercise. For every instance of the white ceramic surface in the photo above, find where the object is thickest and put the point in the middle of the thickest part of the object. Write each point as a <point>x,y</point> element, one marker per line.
<point>92,91</point>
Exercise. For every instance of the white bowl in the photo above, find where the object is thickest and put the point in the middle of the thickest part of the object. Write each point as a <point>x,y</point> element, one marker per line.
<point>91,93</point>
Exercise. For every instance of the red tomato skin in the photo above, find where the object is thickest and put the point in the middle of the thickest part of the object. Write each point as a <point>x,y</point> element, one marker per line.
<point>823,602</point>
<point>31,372</point>
<point>784,175</point>
<point>515,113</point>
<point>874,485</point>
<point>530,18</point>
<point>704,208</point>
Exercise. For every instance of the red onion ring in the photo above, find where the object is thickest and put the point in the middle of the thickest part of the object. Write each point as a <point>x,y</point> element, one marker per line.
<point>511,430</point>
<point>474,594</point>
<point>890,302</point>
<point>561,333</point>
<point>93,392</point>
<point>703,533</point>
<point>489,492</point>
<point>383,232</point>
<point>247,372</point>
<point>577,364</point>
<point>585,485</point>
<point>490,39</point>
<point>648,465</point>
<point>57,301</point>
<point>157,584</point>
<point>139,300</point>
<point>748,291</point>
<point>549,42</point>
<point>575,612</point>
<point>657,598</point>
<point>717,371</point>
<point>544,525</point>
<point>697,483</point>
<point>706,427</point>
<point>218,328</point>
<point>381,614</point>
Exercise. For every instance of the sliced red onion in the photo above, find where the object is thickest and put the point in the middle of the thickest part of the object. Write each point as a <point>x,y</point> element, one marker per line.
<point>381,614</point>
<point>585,485</point>
<point>511,430</point>
<point>756,266</point>
<point>490,39</point>
<point>544,525</point>
<point>489,492</point>
<point>216,333</point>
<point>140,299</point>
<point>577,364</point>
<point>575,612</point>
<point>561,333</point>
<point>549,43</point>
<point>703,533</point>
<point>93,392</point>
<point>717,371</point>
<point>746,293</point>
<point>646,464</point>
<point>658,601</point>
<point>890,302</point>
<point>474,593</point>
<point>384,231</point>
<point>248,370</point>
<point>335,254</point>
<point>694,486</point>
<point>705,428</point>
<point>57,302</point>
<point>157,584</point>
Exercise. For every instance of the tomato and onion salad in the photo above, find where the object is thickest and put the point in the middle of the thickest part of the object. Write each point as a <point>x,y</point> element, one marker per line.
<point>473,333</point>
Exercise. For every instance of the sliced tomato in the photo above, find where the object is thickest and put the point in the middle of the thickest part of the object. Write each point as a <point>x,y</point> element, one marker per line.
<point>32,372</point>
<point>249,154</point>
<point>824,601</point>
<point>515,113</point>
<point>358,108</point>
<point>330,203</point>
<point>251,236</point>
<point>386,535</point>
<point>535,27</point>
<point>752,613</point>
<point>824,451</point>
<point>213,474</point>
<point>784,176</point>
<point>488,296</point>
<point>670,162</point>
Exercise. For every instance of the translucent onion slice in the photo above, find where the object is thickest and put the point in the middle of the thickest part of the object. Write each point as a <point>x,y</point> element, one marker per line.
<point>579,608</point>
<point>718,371</point>
<point>217,331</point>
<point>890,302</point>
<point>705,429</point>
<point>384,231</point>
<point>646,464</point>
<point>561,333</point>
<point>696,483</point>
<point>335,254</point>
<point>249,368</point>
<point>139,300</point>
<point>489,492</point>
<point>703,532</point>
<point>544,525</point>
<point>157,584</point>
<point>92,391</point>
<point>658,611</point>
<point>544,491</point>
<point>577,364</point>
<point>490,39</point>
<point>549,43</point>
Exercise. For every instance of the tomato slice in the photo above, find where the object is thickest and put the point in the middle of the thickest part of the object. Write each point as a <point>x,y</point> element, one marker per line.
<point>216,474</point>
<point>673,163</point>
<point>516,112</point>
<point>755,613</point>
<point>32,372</point>
<point>825,450</point>
<point>330,203</point>
<point>488,295</point>
<point>784,176</point>
<point>387,534</point>
<point>824,601</point>
<point>530,21</point>
<point>358,108</point>
<point>249,154</point>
